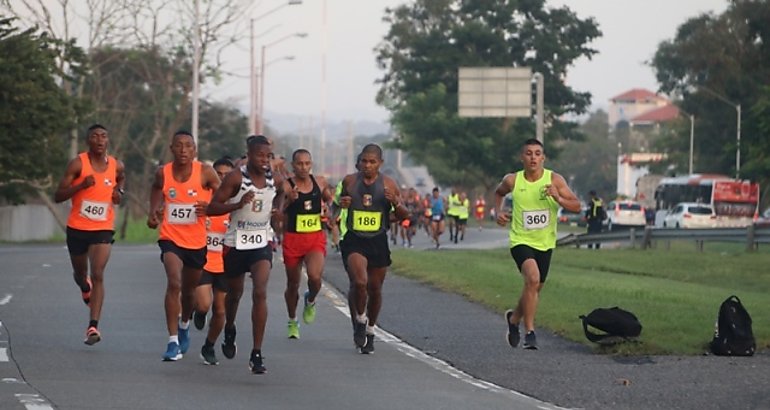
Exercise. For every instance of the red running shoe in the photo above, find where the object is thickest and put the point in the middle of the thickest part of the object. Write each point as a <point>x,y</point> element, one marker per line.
<point>87,295</point>
<point>92,336</point>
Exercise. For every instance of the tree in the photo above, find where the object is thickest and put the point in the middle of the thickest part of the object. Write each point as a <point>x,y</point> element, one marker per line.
<point>36,111</point>
<point>429,39</point>
<point>713,63</point>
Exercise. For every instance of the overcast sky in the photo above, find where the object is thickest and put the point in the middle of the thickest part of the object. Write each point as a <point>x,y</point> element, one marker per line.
<point>631,30</point>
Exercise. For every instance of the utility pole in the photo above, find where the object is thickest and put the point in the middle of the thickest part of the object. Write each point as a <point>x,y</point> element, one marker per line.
<point>196,73</point>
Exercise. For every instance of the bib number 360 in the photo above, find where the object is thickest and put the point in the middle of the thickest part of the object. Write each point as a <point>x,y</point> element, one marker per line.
<point>535,219</point>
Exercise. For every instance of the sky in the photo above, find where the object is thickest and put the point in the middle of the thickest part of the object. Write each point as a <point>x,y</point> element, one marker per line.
<point>632,29</point>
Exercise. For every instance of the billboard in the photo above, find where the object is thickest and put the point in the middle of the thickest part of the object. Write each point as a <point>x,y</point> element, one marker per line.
<point>500,92</point>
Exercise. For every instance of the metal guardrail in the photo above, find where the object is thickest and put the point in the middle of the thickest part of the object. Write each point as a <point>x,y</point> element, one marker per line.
<point>752,236</point>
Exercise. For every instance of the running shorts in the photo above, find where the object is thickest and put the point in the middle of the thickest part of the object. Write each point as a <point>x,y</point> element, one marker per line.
<point>521,253</point>
<point>79,240</point>
<point>191,258</point>
<point>297,245</point>
<point>238,262</point>
<point>374,249</point>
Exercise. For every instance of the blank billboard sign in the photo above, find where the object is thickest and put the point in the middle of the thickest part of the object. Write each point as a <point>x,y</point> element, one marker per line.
<point>494,92</point>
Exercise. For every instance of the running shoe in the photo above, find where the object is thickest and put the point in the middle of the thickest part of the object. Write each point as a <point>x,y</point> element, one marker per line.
<point>92,336</point>
<point>512,335</point>
<point>257,363</point>
<point>208,355</point>
<point>368,348</point>
<point>293,329</point>
<point>530,340</point>
<point>308,313</point>
<point>359,333</point>
<point>172,352</point>
<point>199,319</point>
<point>184,339</point>
<point>87,295</point>
<point>228,345</point>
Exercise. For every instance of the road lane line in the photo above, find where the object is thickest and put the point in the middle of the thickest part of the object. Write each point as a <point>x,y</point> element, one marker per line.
<point>33,402</point>
<point>438,364</point>
<point>6,299</point>
<point>3,354</point>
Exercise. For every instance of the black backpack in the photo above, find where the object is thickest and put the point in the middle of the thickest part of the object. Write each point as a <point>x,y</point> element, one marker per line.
<point>617,324</point>
<point>733,335</point>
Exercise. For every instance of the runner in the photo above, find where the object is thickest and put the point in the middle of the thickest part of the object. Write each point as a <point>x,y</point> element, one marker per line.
<point>253,199</point>
<point>409,225</point>
<point>462,216</point>
<point>178,199</point>
<point>479,209</point>
<point>452,214</point>
<point>94,180</point>
<point>304,238</point>
<point>537,196</point>
<point>437,207</point>
<point>369,197</point>
<point>213,278</point>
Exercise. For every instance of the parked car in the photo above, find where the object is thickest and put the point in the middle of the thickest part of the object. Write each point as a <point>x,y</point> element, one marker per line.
<point>571,218</point>
<point>690,215</point>
<point>764,219</point>
<point>625,214</point>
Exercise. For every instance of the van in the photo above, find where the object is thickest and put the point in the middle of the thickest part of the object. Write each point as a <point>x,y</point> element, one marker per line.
<point>625,214</point>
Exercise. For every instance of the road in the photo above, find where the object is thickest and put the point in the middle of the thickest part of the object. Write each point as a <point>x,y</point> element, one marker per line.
<point>44,363</point>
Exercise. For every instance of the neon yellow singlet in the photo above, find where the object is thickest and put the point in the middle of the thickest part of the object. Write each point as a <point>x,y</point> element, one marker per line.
<point>533,221</point>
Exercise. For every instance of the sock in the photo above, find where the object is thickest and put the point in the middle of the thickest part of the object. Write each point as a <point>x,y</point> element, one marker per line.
<point>93,323</point>
<point>184,325</point>
<point>292,319</point>
<point>173,339</point>
<point>361,318</point>
<point>207,343</point>
<point>369,330</point>
<point>256,352</point>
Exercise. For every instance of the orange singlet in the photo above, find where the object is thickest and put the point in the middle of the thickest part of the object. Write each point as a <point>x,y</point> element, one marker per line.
<point>92,208</point>
<point>216,226</point>
<point>180,223</point>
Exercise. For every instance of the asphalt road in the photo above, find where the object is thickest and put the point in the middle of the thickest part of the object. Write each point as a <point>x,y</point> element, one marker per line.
<point>436,351</point>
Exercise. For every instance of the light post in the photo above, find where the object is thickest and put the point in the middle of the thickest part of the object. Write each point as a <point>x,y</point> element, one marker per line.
<point>261,108</point>
<point>253,126</point>
<point>738,127</point>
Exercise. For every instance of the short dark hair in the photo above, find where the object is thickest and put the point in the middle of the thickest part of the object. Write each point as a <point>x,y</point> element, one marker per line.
<point>224,161</point>
<point>435,189</point>
<point>254,140</point>
<point>372,149</point>
<point>299,151</point>
<point>182,132</point>
<point>532,141</point>
<point>95,126</point>
<point>592,193</point>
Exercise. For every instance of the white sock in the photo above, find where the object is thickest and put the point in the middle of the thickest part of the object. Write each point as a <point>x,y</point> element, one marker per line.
<point>184,325</point>
<point>361,318</point>
<point>173,339</point>
<point>292,319</point>
<point>369,330</point>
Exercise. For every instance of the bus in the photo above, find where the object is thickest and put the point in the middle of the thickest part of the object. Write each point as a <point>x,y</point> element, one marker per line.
<point>735,202</point>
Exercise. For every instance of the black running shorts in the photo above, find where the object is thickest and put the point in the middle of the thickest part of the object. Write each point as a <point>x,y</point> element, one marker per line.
<point>239,262</point>
<point>79,240</point>
<point>521,253</point>
<point>217,281</point>
<point>374,249</point>
<point>191,258</point>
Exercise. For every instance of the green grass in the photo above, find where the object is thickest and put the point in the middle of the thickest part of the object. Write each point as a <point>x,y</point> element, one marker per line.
<point>675,293</point>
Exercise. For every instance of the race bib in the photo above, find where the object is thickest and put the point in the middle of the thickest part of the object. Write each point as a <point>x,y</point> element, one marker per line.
<point>95,211</point>
<point>308,223</point>
<point>181,214</point>
<point>534,220</point>
<point>214,241</point>
<point>366,221</point>
<point>253,239</point>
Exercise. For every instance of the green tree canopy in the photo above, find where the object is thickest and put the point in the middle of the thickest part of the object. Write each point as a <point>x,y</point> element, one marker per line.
<point>429,40</point>
<point>714,58</point>
<point>36,112</point>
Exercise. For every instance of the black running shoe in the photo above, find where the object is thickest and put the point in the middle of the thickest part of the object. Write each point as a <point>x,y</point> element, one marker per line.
<point>209,356</point>
<point>512,335</point>
<point>228,346</point>
<point>359,333</point>
<point>256,362</point>
<point>199,319</point>
<point>530,340</point>
<point>368,348</point>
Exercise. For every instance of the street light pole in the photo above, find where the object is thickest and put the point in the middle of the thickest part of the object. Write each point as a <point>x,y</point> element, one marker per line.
<point>261,119</point>
<point>692,139</point>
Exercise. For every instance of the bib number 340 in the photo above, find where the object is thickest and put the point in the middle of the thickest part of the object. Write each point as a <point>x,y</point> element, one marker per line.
<point>246,240</point>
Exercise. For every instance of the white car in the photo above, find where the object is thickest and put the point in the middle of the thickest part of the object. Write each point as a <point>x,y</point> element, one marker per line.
<point>690,215</point>
<point>623,213</point>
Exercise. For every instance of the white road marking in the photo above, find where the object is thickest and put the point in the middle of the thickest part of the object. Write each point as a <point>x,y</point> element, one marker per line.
<point>3,354</point>
<point>11,380</point>
<point>6,299</point>
<point>438,364</point>
<point>33,402</point>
